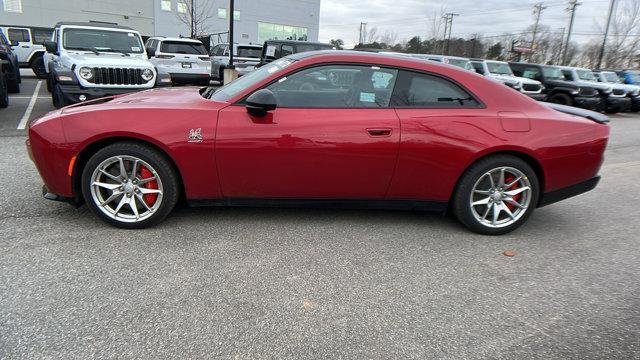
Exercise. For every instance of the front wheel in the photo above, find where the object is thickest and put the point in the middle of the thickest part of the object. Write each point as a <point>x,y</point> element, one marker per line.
<point>57,97</point>
<point>130,185</point>
<point>562,99</point>
<point>496,195</point>
<point>37,65</point>
<point>4,93</point>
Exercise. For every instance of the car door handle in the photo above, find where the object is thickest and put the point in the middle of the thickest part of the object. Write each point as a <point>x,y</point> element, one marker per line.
<point>379,132</point>
<point>26,46</point>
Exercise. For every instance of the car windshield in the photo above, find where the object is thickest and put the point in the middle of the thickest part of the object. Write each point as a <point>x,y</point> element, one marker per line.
<point>459,63</point>
<point>499,68</point>
<point>610,77</point>
<point>235,87</point>
<point>102,40</point>
<point>634,76</point>
<point>249,52</point>
<point>183,47</point>
<point>586,75</point>
<point>552,73</point>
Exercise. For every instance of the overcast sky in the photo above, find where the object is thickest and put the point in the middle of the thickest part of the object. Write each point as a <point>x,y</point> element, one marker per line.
<point>341,18</point>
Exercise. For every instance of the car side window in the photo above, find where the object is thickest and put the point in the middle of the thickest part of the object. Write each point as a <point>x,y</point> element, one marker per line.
<point>336,86</point>
<point>286,50</point>
<point>429,91</point>
<point>530,73</point>
<point>568,75</point>
<point>20,35</point>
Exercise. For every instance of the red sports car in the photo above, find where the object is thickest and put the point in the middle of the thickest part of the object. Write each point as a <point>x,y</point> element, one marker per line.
<point>331,128</point>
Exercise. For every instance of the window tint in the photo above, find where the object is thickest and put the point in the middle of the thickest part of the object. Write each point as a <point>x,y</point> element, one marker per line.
<point>250,52</point>
<point>286,50</point>
<point>40,35</point>
<point>478,67</point>
<point>421,90</point>
<point>182,47</point>
<point>528,72</point>
<point>567,75</point>
<point>21,35</point>
<point>336,86</point>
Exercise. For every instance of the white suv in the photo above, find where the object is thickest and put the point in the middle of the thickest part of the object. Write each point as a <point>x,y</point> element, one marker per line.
<point>92,60</point>
<point>26,43</point>
<point>501,71</point>
<point>179,60</point>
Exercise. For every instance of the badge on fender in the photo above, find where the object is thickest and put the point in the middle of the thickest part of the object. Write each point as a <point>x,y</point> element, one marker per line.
<point>195,135</point>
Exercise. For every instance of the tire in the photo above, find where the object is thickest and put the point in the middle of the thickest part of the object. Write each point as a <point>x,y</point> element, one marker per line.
<point>57,97</point>
<point>562,99</point>
<point>155,163</point>
<point>4,93</point>
<point>469,205</point>
<point>37,65</point>
<point>13,86</point>
<point>49,83</point>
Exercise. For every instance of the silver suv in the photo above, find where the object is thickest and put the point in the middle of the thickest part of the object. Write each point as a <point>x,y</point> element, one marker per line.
<point>245,58</point>
<point>92,60</point>
<point>179,60</point>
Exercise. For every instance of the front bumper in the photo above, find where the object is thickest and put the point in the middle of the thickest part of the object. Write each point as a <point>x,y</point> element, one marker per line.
<point>72,93</point>
<point>55,197</point>
<point>536,96</point>
<point>590,103</point>
<point>570,191</point>
<point>635,104</point>
<point>618,104</point>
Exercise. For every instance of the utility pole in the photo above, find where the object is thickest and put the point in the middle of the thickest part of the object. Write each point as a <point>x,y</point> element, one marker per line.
<point>572,8</point>
<point>557,59</point>
<point>193,15</point>
<point>363,29</point>
<point>606,33</point>
<point>449,24</point>
<point>537,11</point>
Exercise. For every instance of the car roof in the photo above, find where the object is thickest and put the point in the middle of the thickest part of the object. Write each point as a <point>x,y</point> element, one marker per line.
<point>364,56</point>
<point>296,42</point>
<point>178,39</point>
<point>93,24</point>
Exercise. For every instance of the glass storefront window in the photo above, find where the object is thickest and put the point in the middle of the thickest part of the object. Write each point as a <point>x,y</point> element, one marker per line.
<point>269,31</point>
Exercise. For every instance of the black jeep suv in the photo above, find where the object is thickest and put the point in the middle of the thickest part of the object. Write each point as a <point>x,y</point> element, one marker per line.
<point>556,88</point>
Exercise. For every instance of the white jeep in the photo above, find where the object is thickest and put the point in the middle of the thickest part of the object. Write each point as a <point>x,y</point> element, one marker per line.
<point>93,60</point>
<point>501,72</point>
<point>26,43</point>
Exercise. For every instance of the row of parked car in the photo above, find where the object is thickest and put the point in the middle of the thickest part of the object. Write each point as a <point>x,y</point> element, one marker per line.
<point>600,90</point>
<point>83,61</point>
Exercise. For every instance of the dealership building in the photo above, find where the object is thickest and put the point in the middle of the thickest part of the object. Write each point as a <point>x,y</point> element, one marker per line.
<point>254,20</point>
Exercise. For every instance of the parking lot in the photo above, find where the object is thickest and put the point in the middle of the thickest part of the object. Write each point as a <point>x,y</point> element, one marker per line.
<point>262,283</point>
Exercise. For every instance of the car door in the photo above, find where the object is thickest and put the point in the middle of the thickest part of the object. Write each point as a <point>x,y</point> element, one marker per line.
<point>24,47</point>
<point>442,127</point>
<point>332,136</point>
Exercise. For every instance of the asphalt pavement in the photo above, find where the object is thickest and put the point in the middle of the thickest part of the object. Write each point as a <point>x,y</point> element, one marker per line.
<point>246,283</point>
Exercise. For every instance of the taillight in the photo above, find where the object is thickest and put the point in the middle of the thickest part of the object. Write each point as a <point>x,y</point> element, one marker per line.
<point>164,56</point>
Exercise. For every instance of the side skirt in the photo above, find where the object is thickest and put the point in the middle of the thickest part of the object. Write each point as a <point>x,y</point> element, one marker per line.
<point>420,205</point>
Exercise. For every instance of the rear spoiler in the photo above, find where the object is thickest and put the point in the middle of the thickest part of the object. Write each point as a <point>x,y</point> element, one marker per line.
<point>591,115</point>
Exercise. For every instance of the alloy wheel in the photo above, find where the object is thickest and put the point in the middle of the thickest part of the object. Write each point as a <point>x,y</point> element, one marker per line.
<point>500,197</point>
<point>126,189</point>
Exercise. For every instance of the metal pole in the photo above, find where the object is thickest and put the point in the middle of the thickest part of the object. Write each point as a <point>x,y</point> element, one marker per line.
<point>450,22</point>
<point>537,10</point>
<point>572,7</point>
<point>231,10</point>
<point>193,15</point>
<point>606,33</point>
<point>558,58</point>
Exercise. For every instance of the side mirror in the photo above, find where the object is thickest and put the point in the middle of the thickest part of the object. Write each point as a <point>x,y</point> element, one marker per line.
<point>15,43</point>
<point>260,102</point>
<point>51,46</point>
<point>151,52</point>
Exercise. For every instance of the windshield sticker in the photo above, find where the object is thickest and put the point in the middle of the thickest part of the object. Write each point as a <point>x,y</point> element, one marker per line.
<point>367,97</point>
<point>271,50</point>
<point>131,34</point>
<point>135,48</point>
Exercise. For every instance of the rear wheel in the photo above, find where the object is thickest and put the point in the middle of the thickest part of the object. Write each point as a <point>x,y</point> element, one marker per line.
<point>37,65</point>
<point>562,99</point>
<point>130,185</point>
<point>13,86</point>
<point>496,195</point>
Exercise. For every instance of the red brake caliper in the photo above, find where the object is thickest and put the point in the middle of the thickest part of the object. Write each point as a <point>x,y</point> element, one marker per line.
<point>150,199</point>
<point>509,178</point>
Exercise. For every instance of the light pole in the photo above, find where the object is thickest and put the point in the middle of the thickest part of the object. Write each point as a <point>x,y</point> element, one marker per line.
<point>230,73</point>
<point>606,33</point>
<point>572,7</point>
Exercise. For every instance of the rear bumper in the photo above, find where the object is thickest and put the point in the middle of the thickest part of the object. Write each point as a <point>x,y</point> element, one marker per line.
<point>567,192</point>
<point>589,103</point>
<point>181,78</point>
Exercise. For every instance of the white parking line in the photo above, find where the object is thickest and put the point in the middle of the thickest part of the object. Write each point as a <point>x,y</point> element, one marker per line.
<point>32,103</point>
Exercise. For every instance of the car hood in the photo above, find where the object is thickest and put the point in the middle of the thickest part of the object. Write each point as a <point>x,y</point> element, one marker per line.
<point>160,98</point>
<point>505,78</point>
<point>514,78</point>
<point>109,60</point>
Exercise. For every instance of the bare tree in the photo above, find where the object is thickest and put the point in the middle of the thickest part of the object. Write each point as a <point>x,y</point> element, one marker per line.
<point>370,36</point>
<point>624,35</point>
<point>195,14</point>
<point>389,38</point>
<point>437,24</point>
